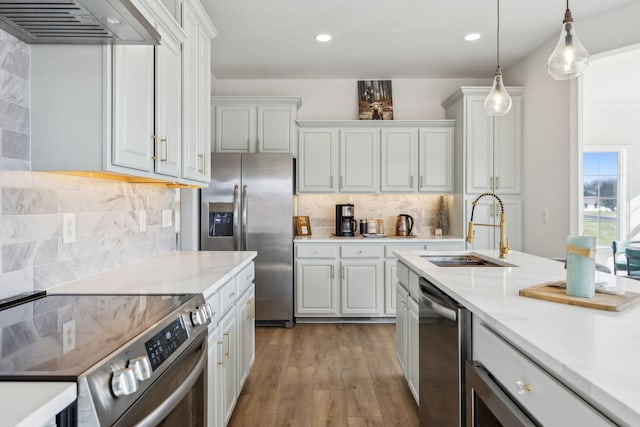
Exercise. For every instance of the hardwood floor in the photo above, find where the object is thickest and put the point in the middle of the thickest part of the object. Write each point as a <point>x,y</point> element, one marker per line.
<point>326,375</point>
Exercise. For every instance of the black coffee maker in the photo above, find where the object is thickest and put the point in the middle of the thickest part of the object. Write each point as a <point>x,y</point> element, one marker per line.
<point>345,222</point>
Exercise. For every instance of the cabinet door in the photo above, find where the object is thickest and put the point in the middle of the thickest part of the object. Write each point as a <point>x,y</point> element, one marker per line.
<point>398,149</point>
<point>246,335</point>
<point>359,160</point>
<point>479,146</point>
<point>235,128</point>
<point>401,327</point>
<point>316,289</point>
<point>169,108</point>
<point>413,364</point>
<point>133,98</point>
<point>196,61</point>
<point>317,157</point>
<point>390,283</point>
<point>214,347</point>
<point>436,160</point>
<point>229,386</point>
<point>276,128</point>
<point>362,285</point>
<point>507,168</point>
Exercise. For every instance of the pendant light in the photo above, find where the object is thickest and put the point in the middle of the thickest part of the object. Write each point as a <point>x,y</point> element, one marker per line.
<point>569,59</point>
<point>498,102</point>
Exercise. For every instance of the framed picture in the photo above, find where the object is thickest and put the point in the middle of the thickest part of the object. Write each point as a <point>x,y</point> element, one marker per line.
<point>303,226</point>
<point>375,101</point>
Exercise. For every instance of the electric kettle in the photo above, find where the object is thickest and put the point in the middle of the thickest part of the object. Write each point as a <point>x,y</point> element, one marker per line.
<point>404,225</point>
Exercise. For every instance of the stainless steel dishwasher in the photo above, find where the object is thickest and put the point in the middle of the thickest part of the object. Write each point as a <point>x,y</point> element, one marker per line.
<point>445,345</point>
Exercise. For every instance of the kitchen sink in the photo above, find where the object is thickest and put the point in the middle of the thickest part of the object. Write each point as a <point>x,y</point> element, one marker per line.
<point>462,261</point>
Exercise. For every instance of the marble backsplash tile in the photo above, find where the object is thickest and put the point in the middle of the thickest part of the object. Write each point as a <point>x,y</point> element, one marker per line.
<point>320,208</point>
<point>32,204</point>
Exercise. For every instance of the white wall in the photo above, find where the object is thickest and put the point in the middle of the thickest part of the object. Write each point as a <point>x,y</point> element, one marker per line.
<point>336,99</point>
<point>548,136</point>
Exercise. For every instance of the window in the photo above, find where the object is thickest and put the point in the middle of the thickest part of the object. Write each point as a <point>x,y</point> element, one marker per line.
<point>601,181</point>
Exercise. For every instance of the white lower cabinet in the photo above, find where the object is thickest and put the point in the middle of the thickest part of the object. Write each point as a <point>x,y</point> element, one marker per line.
<point>231,344</point>
<point>407,329</point>
<point>352,279</point>
<point>545,398</point>
<point>228,363</point>
<point>402,314</point>
<point>362,287</point>
<point>413,365</point>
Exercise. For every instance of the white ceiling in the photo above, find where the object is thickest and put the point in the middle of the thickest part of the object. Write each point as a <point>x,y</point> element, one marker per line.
<point>376,39</point>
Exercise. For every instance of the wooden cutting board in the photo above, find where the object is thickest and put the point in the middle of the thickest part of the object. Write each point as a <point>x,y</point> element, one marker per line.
<point>599,301</point>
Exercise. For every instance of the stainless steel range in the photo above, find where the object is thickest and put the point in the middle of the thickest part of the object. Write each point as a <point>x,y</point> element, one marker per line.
<point>137,359</point>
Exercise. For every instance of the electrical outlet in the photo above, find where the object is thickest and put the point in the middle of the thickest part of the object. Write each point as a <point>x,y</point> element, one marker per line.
<point>167,218</point>
<point>68,336</point>
<point>142,221</point>
<point>69,228</point>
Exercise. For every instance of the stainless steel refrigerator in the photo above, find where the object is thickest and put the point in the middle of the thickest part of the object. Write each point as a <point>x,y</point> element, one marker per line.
<point>249,206</point>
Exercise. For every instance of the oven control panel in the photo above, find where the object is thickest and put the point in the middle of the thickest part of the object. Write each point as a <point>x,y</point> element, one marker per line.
<point>166,342</point>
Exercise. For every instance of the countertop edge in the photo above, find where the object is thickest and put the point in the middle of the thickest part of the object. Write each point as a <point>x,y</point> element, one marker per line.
<point>35,403</point>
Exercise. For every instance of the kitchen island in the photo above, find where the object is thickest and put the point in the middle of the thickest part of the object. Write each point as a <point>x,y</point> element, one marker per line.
<point>594,353</point>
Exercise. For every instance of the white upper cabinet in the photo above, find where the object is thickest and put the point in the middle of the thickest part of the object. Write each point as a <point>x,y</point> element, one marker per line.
<point>119,109</point>
<point>196,66</point>
<point>256,124</point>
<point>376,156</point>
<point>317,165</point>
<point>133,98</point>
<point>399,152</point>
<point>435,165</point>
<point>492,145</point>
<point>359,160</point>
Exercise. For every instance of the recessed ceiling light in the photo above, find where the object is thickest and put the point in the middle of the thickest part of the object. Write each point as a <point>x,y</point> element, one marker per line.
<point>472,37</point>
<point>323,38</point>
<point>112,20</point>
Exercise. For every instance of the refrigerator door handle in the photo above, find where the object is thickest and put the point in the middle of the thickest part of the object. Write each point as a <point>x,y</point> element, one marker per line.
<point>236,223</point>
<point>245,218</point>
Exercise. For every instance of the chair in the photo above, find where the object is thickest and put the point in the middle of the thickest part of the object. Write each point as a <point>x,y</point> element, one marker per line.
<point>633,262</point>
<point>619,257</point>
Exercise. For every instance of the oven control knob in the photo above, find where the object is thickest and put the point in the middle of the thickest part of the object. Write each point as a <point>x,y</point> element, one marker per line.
<point>209,311</point>
<point>124,382</point>
<point>199,316</point>
<point>141,367</point>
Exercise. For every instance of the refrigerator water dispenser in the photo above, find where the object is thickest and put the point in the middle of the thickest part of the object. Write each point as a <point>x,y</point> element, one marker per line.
<point>220,219</point>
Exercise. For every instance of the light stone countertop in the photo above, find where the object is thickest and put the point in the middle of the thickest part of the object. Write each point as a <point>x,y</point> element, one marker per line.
<point>32,404</point>
<point>329,238</point>
<point>179,272</point>
<point>595,353</point>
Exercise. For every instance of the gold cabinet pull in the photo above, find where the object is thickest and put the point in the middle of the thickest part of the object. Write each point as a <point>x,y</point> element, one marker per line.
<point>331,181</point>
<point>155,147</point>
<point>522,387</point>
<point>411,182</point>
<point>421,181</point>
<point>332,273</point>
<point>343,271</point>
<point>497,182</point>
<point>250,304</point>
<point>228,350</point>
<point>222,344</point>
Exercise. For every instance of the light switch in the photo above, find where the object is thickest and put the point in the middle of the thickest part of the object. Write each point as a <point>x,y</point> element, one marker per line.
<point>68,228</point>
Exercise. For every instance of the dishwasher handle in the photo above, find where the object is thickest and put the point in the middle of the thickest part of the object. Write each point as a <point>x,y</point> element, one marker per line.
<point>438,301</point>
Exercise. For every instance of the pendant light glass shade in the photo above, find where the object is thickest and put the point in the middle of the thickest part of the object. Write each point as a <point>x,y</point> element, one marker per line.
<point>569,59</point>
<point>498,102</point>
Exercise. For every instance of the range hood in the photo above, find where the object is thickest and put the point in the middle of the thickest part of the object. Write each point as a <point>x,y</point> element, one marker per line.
<point>77,22</point>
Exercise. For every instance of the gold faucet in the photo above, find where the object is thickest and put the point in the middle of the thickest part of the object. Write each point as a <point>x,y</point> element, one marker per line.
<point>504,242</point>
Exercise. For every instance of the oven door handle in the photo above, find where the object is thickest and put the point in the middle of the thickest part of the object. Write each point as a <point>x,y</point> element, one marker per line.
<point>165,408</point>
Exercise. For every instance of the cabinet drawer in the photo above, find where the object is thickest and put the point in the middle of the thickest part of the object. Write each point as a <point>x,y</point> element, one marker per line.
<point>214,303</point>
<point>360,251</point>
<point>316,251</point>
<point>549,401</point>
<point>245,278</point>
<point>388,249</point>
<point>228,295</point>
<point>414,285</point>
